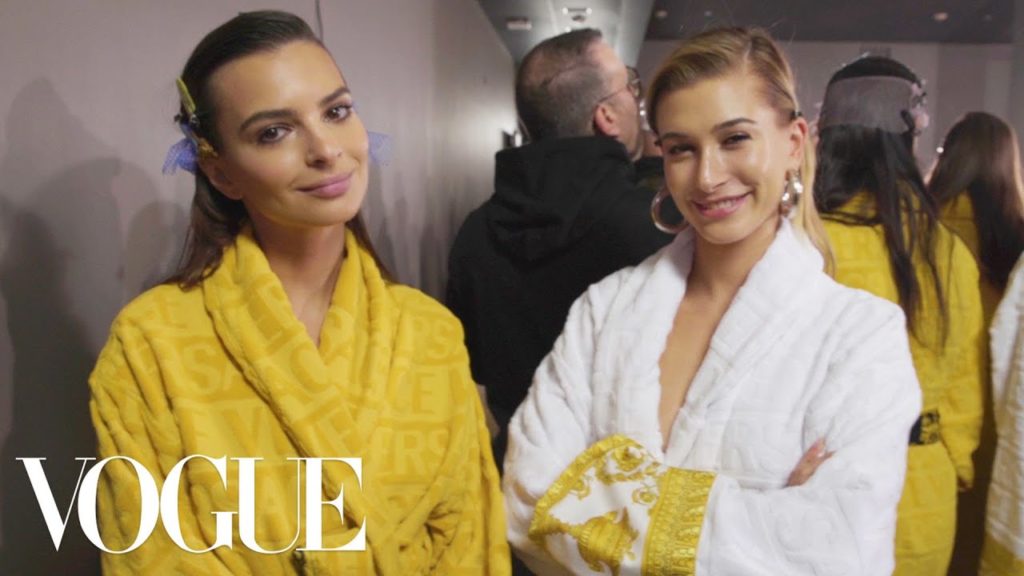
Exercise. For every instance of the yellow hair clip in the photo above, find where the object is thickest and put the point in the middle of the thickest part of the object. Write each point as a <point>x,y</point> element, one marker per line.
<point>186,98</point>
<point>189,125</point>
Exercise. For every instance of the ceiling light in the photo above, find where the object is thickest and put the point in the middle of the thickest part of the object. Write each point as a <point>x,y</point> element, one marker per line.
<point>940,16</point>
<point>577,11</point>
<point>708,13</point>
<point>660,14</point>
<point>518,24</point>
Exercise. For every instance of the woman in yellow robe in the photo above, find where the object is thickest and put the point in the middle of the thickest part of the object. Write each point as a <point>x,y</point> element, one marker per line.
<point>886,239</point>
<point>976,183</point>
<point>281,337</point>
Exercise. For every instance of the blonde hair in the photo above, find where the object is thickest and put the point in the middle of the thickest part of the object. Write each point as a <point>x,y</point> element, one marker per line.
<point>717,52</point>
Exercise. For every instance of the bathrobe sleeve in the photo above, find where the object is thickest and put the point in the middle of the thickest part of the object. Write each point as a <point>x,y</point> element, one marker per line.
<point>468,529</point>
<point>576,506</point>
<point>131,415</point>
<point>961,407</point>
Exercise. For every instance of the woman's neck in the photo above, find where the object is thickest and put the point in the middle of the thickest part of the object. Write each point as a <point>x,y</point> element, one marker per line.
<point>307,262</point>
<point>720,269</point>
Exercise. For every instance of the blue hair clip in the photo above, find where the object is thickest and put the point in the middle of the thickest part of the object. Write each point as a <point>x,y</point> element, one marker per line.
<point>183,154</point>
<point>380,148</point>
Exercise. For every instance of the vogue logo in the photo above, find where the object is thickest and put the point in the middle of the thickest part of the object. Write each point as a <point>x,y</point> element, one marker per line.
<point>163,505</point>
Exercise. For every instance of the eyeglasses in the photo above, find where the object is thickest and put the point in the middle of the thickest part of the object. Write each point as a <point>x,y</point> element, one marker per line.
<point>633,84</point>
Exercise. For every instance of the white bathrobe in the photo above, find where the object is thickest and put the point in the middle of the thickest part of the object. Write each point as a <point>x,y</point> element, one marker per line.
<point>1004,522</point>
<point>795,358</point>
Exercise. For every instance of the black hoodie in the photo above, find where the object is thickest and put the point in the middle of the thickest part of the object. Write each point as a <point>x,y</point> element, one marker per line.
<point>565,213</point>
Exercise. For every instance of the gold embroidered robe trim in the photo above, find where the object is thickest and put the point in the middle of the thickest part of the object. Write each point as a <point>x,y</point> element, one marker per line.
<point>676,522</point>
<point>656,513</point>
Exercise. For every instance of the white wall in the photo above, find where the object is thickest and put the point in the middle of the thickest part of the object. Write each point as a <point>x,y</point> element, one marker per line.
<point>959,77</point>
<point>87,220</point>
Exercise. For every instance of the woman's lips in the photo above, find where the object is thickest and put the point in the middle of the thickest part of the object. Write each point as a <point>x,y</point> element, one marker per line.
<point>721,208</point>
<point>330,188</point>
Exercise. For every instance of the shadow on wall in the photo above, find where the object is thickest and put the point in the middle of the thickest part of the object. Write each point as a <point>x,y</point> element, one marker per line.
<point>62,280</point>
<point>153,246</point>
<point>380,223</point>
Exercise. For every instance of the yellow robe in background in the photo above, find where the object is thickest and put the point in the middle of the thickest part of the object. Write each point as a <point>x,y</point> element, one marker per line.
<point>958,216</point>
<point>952,374</point>
<point>226,369</point>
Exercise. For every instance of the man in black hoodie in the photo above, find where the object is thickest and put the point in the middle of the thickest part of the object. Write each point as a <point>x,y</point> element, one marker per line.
<point>567,211</point>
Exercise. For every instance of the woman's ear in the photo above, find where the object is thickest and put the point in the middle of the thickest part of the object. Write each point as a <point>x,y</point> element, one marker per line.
<point>215,174</point>
<point>799,137</point>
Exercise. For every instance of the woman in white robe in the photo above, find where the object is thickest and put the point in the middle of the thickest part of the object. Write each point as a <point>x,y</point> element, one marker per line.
<point>1003,552</point>
<point>724,407</point>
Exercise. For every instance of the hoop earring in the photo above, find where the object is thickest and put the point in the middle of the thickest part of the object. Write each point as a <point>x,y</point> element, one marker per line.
<point>662,194</point>
<point>791,194</point>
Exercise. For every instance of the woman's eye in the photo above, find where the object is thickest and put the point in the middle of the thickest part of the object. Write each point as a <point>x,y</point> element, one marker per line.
<point>272,134</point>
<point>678,149</point>
<point>735,139</point>
<point>339,112</point>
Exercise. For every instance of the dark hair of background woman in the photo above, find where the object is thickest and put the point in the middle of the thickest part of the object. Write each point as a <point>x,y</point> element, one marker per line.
<point>980,157</point>
<point>215,219</point>
<point>852,159</point>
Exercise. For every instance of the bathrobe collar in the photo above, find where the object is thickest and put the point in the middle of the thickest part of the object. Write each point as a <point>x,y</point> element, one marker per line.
<point>758,315</point>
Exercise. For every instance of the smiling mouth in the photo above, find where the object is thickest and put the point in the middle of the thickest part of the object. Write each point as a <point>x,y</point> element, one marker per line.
<point>721,207</point>
<point>329,188</point>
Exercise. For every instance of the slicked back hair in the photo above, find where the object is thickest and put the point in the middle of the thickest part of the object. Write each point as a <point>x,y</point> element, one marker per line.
<point>215,219</point>
<point>717,52</point>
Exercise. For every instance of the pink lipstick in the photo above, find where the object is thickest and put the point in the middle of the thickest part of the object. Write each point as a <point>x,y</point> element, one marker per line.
<point>721,208</point>
<point>329,188</point>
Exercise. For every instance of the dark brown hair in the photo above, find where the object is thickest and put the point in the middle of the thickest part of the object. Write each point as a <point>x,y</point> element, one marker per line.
<point>980,157</point>
<point>854,159</point>
<point>215,219</point>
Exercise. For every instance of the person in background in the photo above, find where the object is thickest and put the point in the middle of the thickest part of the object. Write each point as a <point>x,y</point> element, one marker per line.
<point>976,183</point>
<point>724,407</point>
<point>886,238</point>
<point>568,209</point>
<point>281,337</point>
<point>1003,553</point>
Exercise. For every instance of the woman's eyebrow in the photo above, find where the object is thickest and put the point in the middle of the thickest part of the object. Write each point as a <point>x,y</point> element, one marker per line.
<point>279,113</point>
<point>334,95</point>
<point>731,123</point>
<point>715,128</point>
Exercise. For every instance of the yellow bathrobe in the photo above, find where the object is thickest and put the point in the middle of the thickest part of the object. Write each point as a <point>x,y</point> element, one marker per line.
<point>952,376</point>
<point>226,369</point>
<point>958,216</point>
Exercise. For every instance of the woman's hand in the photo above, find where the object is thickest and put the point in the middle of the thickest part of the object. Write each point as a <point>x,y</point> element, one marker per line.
<point>807,465</point>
